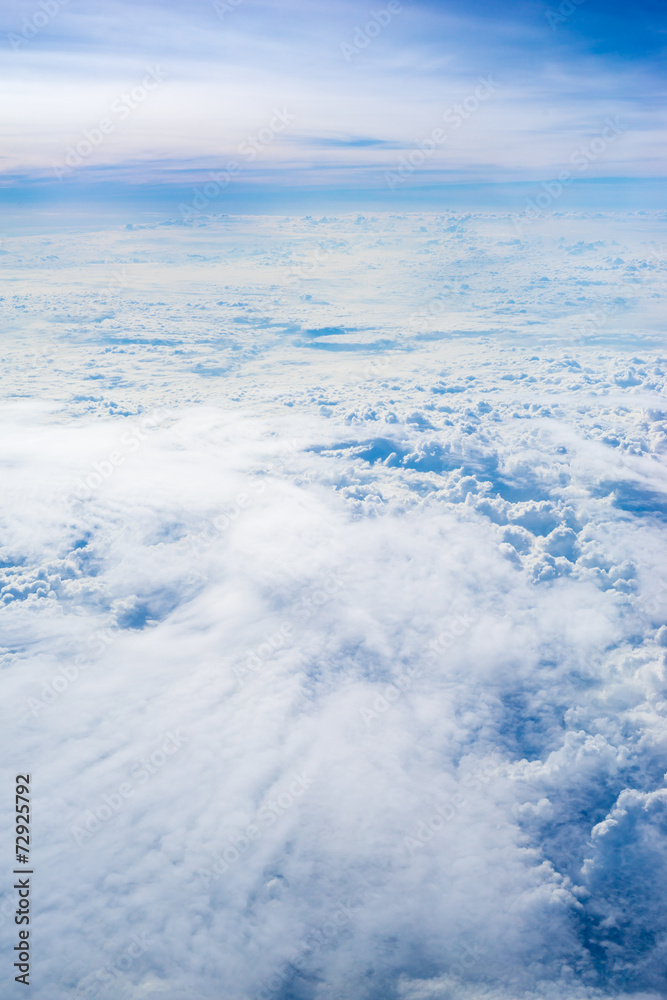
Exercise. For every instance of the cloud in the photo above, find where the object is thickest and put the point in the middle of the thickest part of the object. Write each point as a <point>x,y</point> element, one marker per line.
<point>339,673</point>
<point>224,79</point>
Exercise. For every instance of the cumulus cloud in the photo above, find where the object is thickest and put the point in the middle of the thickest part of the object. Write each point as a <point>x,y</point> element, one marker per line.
<point>340,673</point>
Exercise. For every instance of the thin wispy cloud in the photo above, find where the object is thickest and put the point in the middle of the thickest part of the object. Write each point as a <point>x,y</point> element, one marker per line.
<point>385,81</point>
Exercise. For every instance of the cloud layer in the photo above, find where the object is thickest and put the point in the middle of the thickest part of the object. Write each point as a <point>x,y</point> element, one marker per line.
<point>334,614</point>
<point>357,84</point>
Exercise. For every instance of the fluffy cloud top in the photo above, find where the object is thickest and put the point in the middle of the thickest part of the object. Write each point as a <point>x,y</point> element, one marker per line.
<point>336,650</point>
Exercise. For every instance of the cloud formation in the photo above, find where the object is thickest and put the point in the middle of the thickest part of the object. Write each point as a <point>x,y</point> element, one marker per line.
<point>344,73</point>
<point>334,618</point>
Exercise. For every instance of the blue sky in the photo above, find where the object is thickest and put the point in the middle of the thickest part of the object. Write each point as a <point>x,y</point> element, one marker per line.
<point>145,101</point>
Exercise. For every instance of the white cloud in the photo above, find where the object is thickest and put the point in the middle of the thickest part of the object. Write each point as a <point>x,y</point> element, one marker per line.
<point>224,79</point>
<point>445,572</point>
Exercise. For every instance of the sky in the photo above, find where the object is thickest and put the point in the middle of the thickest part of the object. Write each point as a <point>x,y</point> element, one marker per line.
<point>333,603</point>
<point>325,104</point>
